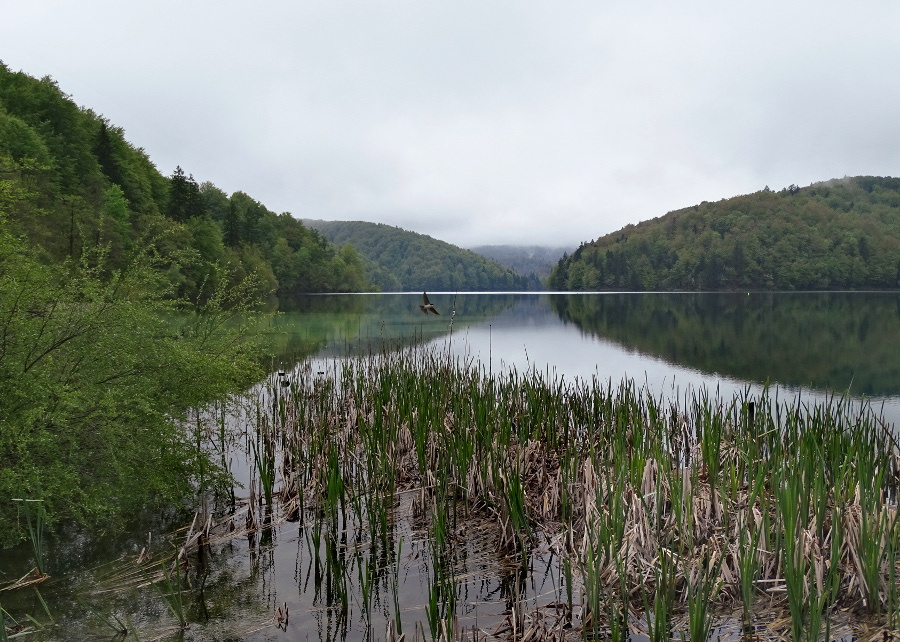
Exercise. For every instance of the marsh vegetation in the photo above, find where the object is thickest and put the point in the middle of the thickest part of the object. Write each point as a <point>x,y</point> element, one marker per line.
<point>415,492</point>
<point>655,511</point>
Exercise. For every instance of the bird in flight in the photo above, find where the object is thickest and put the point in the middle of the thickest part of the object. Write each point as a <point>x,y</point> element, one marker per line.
<point>428,307</point>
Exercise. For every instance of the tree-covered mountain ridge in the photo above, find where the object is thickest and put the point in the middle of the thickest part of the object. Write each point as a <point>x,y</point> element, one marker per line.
<point>538,260</point>
<point>400,260</point>
<point>833,235</point>
<point>70,182</point>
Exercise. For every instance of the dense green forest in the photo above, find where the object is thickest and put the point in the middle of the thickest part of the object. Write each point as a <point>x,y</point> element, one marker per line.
<point>85,186</point>
<point>125,301</point>
<point>399,260</point>
<point>839,234</point>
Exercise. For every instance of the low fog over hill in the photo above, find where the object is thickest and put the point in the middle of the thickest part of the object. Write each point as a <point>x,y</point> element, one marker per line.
<point>525,259</point>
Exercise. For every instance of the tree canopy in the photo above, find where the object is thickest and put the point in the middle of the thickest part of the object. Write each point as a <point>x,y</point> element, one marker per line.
<point>97,373</point>
<point>397,259</point>
<point>124,300</point>
<point>839,234</point>
<point>87,186</point>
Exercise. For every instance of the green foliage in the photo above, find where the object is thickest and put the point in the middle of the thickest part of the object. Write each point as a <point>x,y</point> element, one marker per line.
<point>184,197</point>
<point>400,260</point>
<point>97,367</point>
<point>843,234</point>
<point>78,184</point>
<point>115,204</point>
<point>20,141</point>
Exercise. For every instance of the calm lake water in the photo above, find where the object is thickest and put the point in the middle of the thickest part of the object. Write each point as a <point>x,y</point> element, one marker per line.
<point>810,346</point>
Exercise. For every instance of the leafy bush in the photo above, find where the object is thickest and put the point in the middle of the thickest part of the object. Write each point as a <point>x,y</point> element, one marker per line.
<point>97,370</point>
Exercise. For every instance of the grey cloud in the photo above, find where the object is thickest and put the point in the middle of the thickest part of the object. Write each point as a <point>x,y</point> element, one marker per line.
<point>483,122</point>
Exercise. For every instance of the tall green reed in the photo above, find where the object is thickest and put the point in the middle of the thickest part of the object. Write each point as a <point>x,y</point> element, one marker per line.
<point>703,582</point>
<point>601,462</point>
<point>35,518</point>
<point>870,542</point>
<point>789,495</point>
<point>659,600</point>
<point>171,589</point>
<point>750,535</point>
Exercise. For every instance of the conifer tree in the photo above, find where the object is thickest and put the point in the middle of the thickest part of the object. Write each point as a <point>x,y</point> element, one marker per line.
<point>232,225</point>
<point>184,197</point>
<point>105,156</point>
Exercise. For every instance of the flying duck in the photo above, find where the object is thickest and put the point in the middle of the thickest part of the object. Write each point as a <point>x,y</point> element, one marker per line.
<point>428,307</point>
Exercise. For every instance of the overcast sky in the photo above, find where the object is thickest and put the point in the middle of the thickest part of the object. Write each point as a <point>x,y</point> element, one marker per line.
<point>481,121</point>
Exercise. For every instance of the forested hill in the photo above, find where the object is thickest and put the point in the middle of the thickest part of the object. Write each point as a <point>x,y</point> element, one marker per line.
<point>406,261</point>
<point>839,234</point>
<point>70,181</point>
<point>537,260</point>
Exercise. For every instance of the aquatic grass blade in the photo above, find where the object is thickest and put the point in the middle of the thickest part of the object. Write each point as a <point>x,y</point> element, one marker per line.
<point>172,594</point>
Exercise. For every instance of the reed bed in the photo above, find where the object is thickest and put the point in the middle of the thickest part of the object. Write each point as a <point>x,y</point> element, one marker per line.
<point>660,516</point>
<point>659,510</point>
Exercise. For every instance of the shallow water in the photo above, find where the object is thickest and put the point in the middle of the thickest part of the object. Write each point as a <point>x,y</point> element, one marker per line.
<point>810,346</point>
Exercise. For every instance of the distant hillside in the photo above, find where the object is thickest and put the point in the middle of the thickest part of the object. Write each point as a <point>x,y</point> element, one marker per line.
<point>839,234</point>
<point>527,260</point>
<point>70,181</point>
<point>397,259</point>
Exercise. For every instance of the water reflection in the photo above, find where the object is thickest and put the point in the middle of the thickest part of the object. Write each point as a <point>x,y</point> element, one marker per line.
<point>818,342</point>
<point>825,341</point>
<point>354,324</point>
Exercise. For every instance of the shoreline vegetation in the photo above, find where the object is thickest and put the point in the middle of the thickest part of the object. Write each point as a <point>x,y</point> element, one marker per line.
<point>97,369</point>
<point>121,292</point>
<point>666,518</point>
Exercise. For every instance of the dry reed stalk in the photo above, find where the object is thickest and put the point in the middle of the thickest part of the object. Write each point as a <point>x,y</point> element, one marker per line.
<point>34,576</point>
<point>627,458</point>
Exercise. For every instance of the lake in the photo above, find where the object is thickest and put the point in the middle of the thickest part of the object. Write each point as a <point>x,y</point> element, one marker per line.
<point>810,344</point>
<point>270,585</point>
